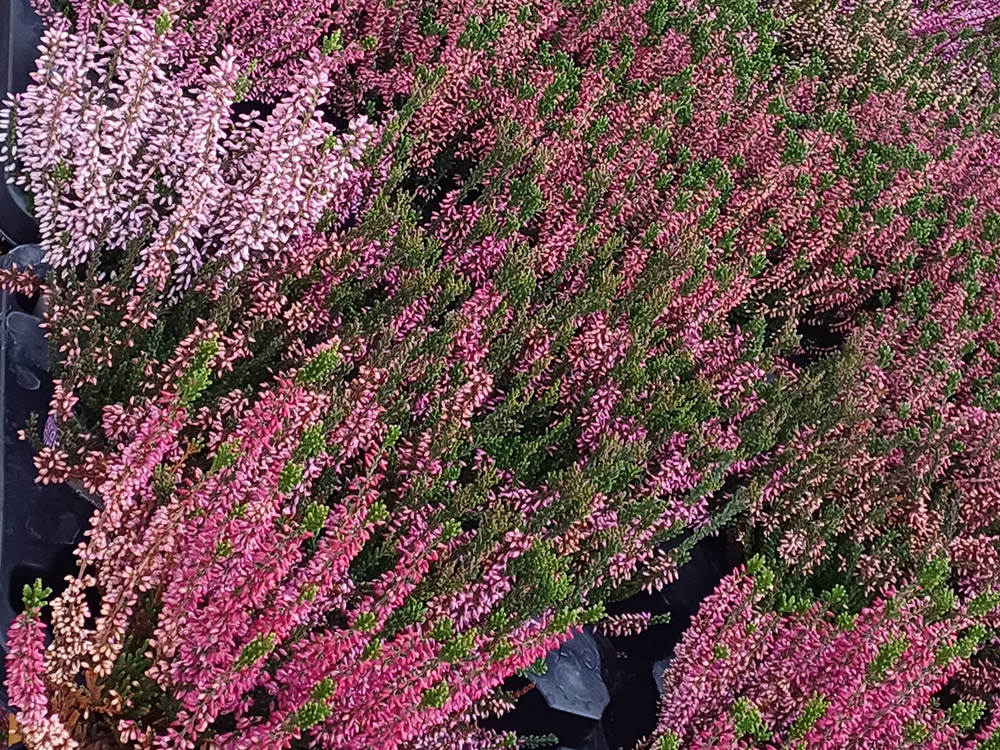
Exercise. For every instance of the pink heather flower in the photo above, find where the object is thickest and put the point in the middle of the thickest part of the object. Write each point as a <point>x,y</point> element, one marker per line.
<point>41,727</point>
<point>785,667</point>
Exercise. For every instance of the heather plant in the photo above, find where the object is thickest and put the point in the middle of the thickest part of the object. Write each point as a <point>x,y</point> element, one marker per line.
<point>874,42</point>
<point>522,189</point>
<point>650,175</point>
<point>909,450</point>
<point>904,464</point>
<point>447,571</point>
<point>761,670</point>
<point>375,427</point>
<point>562,528</point>
<point>220,584</point>
<point>106,122</point>
<point>153,200</point>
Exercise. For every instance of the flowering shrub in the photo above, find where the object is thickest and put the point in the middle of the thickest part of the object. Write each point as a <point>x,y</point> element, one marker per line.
<point>812,677</point>
<point>386,389</point>
<point>219,585</point>
<point>151,198</point>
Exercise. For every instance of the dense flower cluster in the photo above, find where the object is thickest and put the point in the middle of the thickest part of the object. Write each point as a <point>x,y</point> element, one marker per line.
<point>397,338</point>
<point>344,621</point>
<point>745,676</point>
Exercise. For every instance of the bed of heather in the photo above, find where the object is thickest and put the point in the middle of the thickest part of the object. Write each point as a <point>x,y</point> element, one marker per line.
<point>399,340</point>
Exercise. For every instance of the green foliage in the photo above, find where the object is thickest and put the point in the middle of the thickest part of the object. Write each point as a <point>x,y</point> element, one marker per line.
<point>763,576</point>
<point>436,696</point>
<point>313,443</point>
<point>983,604</point>
<point>846,620</point>
<point>377,513</point>
<point>537,742</point>
<point>991,227</point>
<point>459,647</point>
<point>748,721</point>
<point>35,596</point>
<point>332,42</point>
<point>243,82</point>
<point>812,712</point>
<point>990,743</point>
<point>226,455</point>
<point>372,650</point>
<point>253,652</point>
<point>966,714</point>
<point>943,602</point>
<point>366,621</point>
<point>594,614</point>
<point>916,732</point>
<point>314,517</point>
<point>198,374</point>
<point>291,477</point>
<point>311,714</point>
<point>935,573</point>
<point>223,549</point>
<point>480,34</point>
<point>320,367</point>
<point>163,23</point>
<point>965,646</point>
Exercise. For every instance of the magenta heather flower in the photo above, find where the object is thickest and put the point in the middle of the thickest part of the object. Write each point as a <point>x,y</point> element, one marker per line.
<point>746,677</point>
<point>26,685</point>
